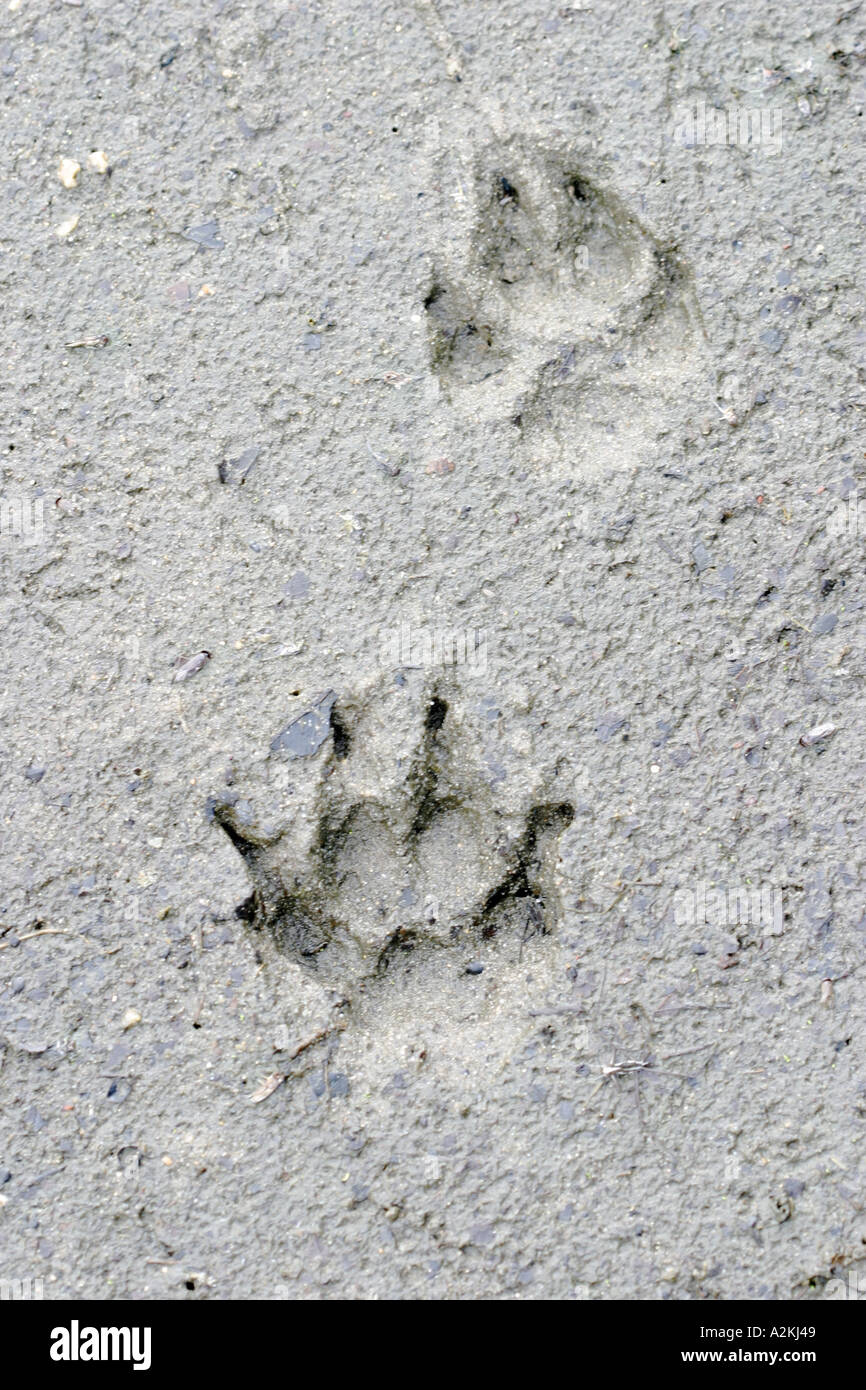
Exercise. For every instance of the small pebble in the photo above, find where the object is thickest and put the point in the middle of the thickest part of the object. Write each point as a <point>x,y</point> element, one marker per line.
<point>474,968</point>
<point>701,557</point>
<point>190,667</point>
<point>130,1018</point>
<point>66,228</point>
<point>68,172</point>
<point>305,735</point>
<point>97,160</point>
<point>820,731</point>
<point>207,235</point>
<point>236,470</point>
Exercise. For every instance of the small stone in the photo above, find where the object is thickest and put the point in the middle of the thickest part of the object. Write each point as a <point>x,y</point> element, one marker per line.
<point>130,1018</point>
<point>68,172</point>
<point>66,228</point>
<point>818,734</point>
<point>773,339</point>
<point>97,160</point>
<point>431,1169</point>
<point>34,773</point>
<point>236,470</point>
<point>189,667</point>
<point>474,968</point>
<point>298,587</point>
<point>826,623</point>
<point>305,735</point>
<point>701,557</point>
<point>207,234</point>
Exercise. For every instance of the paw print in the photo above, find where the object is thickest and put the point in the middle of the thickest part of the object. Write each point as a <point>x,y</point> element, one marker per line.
<point>402,829</point>
<point>556,310</point>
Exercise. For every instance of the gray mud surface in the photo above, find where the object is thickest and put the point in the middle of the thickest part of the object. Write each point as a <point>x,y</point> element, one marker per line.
<point>425,320</point>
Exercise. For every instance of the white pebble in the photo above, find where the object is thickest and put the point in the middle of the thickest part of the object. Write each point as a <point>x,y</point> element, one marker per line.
<point>66,228</point>
<point>68,172</point>
<point>816,735</point>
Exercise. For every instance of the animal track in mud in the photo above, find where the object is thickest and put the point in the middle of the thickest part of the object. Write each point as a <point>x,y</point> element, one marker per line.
<point>559,311</point>
<point>404,829</point>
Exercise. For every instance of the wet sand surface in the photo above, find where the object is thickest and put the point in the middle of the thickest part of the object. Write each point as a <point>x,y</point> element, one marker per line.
<point>430,524</point>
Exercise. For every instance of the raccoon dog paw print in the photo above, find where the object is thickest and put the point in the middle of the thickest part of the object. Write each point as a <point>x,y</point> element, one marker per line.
<point>400,827</point>
<point>555,310</point>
